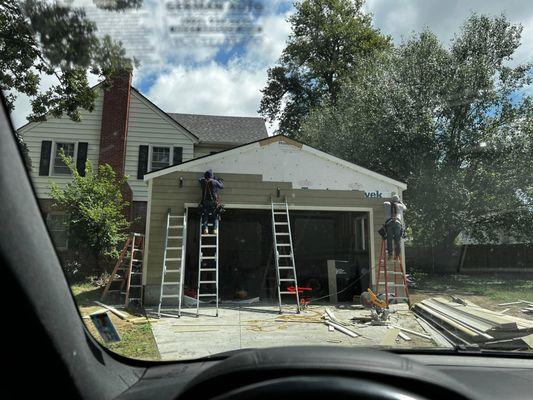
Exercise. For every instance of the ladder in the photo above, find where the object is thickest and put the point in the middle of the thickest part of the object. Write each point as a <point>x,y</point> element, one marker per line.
<point>126,277</point>
<point>395,290</point>
<point>207,267</point>
<point>173,272</point>
<point>286,280</point>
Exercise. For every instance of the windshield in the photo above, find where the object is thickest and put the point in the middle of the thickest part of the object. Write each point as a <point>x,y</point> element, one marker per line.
<point>218,175</point>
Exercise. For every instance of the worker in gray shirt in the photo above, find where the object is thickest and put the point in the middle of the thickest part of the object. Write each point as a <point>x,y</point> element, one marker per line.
<point>393,225</point>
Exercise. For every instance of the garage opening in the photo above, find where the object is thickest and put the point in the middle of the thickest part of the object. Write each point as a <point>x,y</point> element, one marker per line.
<point>339,239</point>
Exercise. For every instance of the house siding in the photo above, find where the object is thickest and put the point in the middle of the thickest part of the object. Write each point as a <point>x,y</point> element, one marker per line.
<point>201,150</point>
<point>63,130</point>
<point>149,126</point>
<point>239,189</point>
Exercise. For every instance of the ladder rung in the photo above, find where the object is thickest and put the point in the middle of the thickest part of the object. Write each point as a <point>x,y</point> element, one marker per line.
<point>287,292</point>
<point>280,213</point>
<point>207,269</point>
<point>282,233</point>
<point>136,273</point>
<point>134,298</point>
<point>284,256</point>
<point>174,248</point>
<point>278,204</point>
<point>170,296</point>
<point>287,280</point>
<point>113,290</point>
<point>283,244</point>
<point>172,270</point>
<point>174,237</point>
<point>175,216</point>
<point>285,267</point>
<point>173,259</point>
<point>209,257</point>
<point>210,246</point>
<point>281,223</point>
<point>175,226</point>
<point>208,235</point>
<point>136,286</point>
<point>171,283</point>
<point>392,272</point>
<point>207,294</point>
<point>135,260</point>
<point>201,282</point>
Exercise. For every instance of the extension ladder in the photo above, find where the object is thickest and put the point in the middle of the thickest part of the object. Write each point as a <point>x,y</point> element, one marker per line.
<point>284,253</point>
<point>173,272</point>
<point>207,267</point>
<point>126,277</point>
<point>397,288</point>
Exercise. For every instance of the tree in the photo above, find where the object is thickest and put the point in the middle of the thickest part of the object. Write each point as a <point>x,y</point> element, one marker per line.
<point>95,207</point>
<point>329,37</point>
<point>454,124</point>
<point>46,38</point>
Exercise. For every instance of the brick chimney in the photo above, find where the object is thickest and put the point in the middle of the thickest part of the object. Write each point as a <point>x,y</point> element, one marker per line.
<point>114,131</point>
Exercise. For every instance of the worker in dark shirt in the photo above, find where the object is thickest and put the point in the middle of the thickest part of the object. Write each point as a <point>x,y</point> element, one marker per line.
<point>394,210</point>
<point>210,204</point>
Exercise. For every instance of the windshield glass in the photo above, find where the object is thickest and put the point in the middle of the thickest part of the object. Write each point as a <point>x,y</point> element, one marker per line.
<point>227,174</point>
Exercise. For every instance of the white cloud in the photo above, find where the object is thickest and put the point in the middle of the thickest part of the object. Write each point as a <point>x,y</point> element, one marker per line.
<point>210,89</point>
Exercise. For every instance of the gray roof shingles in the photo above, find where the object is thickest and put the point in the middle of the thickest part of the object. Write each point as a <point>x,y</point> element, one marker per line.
<point>221,129</point>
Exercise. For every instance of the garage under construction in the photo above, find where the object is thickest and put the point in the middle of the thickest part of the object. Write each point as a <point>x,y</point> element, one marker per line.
<point>300,224</point>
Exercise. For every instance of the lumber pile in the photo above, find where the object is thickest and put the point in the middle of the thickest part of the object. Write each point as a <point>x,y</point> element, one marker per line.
<point>468,324</point>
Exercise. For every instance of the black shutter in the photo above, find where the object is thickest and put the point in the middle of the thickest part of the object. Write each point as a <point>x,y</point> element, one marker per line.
<point>142,167</point>
<point>81,160</point>
<point>178,156</point>
<point>44,163</point>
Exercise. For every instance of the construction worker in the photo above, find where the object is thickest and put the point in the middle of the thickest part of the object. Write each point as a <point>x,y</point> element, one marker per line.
<point>393,225</point>
<point>210,204</point>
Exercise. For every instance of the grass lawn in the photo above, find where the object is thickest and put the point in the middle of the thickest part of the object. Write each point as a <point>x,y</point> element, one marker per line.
<point>136,333</point>
<point>485,290</point>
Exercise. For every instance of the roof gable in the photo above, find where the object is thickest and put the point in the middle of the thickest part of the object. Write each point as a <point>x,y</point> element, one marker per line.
<point>282,159</point>
<point>223,129</point>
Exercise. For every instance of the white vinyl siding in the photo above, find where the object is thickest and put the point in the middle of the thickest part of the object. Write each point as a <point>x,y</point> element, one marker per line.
<point>62,130</point>
<point>149,126</point>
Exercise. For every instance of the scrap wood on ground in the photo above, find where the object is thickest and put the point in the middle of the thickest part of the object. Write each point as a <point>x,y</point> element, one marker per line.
<point>463,322</point>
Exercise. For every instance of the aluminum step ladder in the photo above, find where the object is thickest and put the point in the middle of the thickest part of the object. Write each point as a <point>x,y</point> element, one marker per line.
<point>284,253</point>
<point>207,266</point>
<point>395,290</point>
<point>126,277</point>
<point>173,272</point>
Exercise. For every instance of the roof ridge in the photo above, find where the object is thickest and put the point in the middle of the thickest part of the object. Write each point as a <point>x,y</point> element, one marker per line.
<point>213,115</point>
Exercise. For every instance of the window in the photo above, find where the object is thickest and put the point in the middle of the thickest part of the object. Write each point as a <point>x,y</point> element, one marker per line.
<point>58,166</point>
<point>57,225</point>
<point>160,158</point>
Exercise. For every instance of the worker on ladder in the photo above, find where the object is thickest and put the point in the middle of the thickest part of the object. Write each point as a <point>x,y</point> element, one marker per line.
<point>393,225</point>
<point>210,205</point>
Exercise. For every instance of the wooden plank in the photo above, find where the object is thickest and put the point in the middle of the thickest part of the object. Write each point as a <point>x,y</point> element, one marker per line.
<point>389,339</point>
<point>342,329</point>
<point>412,332</point>
<point>113,310</point>
<point>460,317</point>
<point>404,336</point>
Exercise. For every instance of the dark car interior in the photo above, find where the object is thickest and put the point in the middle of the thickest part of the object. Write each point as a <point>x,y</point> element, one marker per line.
<point>52,353</point>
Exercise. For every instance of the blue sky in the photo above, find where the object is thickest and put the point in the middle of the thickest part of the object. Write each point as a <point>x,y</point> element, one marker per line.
<point>227,80</point>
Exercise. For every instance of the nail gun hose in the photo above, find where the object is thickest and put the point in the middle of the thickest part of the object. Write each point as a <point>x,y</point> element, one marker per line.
<point>343,290</point>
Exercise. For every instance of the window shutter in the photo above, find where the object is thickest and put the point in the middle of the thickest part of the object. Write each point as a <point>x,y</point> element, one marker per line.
<point>142,166</point>
<point>82,157</point>
<point>178,156</point>
<point>44,163</point>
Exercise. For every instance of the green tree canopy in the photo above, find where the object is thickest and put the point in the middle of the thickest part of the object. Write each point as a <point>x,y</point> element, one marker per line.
<point>328,39</point>
<point>46,38</point>
<point>453,123</point>
<point>95,206</point>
